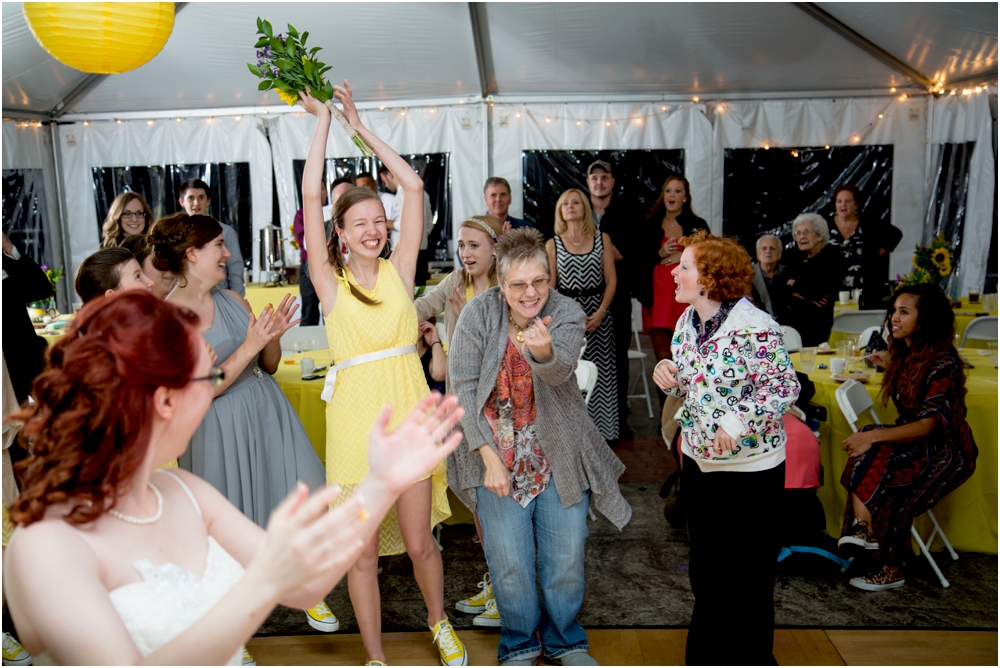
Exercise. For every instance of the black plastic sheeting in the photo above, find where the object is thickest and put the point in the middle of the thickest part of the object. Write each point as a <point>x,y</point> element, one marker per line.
<point>639,176</point>
<point>433,168</point>
<point>24,218</point>
<point>946,209</point>
<point>160,185</point>
<point>765,189</point>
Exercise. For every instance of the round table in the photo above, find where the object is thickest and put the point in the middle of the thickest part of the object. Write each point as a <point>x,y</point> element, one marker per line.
<point>304,395</point>
<point>969,514</point>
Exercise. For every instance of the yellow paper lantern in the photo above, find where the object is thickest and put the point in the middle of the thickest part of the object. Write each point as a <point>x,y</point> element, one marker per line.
<point>101,37</point>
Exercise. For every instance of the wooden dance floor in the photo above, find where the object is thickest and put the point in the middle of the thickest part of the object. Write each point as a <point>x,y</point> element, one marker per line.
<point>654,647</point>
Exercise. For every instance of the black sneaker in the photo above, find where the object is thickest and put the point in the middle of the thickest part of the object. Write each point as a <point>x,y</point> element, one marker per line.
<point>859,536</point>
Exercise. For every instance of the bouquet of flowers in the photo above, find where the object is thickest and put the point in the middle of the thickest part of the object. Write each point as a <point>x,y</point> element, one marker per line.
<point>931,263</point>
<point>284,65</point>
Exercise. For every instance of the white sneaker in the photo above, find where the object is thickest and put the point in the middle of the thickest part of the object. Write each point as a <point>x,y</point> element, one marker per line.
<point>490,617</point>
<point>14,653</point>
<point>321,618</point>
<point>477,604</point>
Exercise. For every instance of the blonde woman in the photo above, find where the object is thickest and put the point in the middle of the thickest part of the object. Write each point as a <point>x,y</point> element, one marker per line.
<point>477,242</point>
<point>583,267</point>
<point>129,214</point>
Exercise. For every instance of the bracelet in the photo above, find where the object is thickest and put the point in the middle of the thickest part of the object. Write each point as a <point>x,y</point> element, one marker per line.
<point>439,343</point>
<point>602,310</point>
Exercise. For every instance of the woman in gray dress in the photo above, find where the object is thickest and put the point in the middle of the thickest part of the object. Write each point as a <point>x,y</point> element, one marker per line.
<point>251,445</point>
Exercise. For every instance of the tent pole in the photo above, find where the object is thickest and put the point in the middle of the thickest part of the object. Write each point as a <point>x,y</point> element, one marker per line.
<point>67,257</point>
<point>862,42</point>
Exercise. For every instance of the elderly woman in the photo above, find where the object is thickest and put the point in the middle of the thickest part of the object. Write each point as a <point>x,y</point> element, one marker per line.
<point>512,364</point>
<point>863,248</point>
<point>809,287</point>
<point>731,368</point>
<point>765,270</point>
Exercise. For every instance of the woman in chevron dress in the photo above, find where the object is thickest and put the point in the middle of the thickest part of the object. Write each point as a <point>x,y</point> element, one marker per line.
<point>584,268</point>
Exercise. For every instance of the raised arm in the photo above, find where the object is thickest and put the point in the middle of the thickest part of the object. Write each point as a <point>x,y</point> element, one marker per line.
<point>320,269</point>
<point>410,223</point>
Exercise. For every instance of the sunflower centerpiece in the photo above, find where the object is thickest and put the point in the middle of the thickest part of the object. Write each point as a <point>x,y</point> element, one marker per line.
<point>284,65</point>
<point>931,264</point>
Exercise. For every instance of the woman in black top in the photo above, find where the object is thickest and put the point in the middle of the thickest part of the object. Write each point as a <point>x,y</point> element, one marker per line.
<point>810,285</point>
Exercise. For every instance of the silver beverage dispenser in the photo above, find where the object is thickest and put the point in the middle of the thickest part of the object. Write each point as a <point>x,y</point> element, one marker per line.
<point>272,256</point>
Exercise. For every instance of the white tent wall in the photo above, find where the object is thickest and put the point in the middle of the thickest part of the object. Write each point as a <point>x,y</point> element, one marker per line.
<point>456,129</point>
<point>632,126</point>
<point>963,118</point>
<point>839,122</point>
<point>165,141</point>
<point>29,146</point>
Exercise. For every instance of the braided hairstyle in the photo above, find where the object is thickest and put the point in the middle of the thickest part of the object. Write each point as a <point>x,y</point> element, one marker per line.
<point>340,209</point>
<point>90,427</point>
<point>173,235</point>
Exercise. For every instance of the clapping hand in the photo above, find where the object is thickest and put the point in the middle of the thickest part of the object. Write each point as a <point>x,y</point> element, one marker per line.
<point>306,538</point>
<point>283,316</point>
<point>457,300</point>
<point>399,458</point>
<point>260,331</point>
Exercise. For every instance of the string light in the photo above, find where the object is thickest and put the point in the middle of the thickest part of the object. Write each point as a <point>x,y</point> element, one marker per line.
<point>881,116</point>
<point>795,154</point>
<point>548,120</point>
<point>86,122</point>
<point>767,147</point>
<point>892,90</point>
<point>952,92</point>
<point>118,121</point>
<point>902,97</point>
<point>578,122</point>
<point>856,138</point>
<point>518,115</point>
<point>381,108</point>
<point>239,118</point>
<point>720,108</point>
<point>695,98</point>
<point>664,108</point>
<point>608,123</point>
<point>149,122</point>
<point>638,121</point>
<point>827,147</point>
<point>433,111</point>
<point>178,120</point>
<point>210,119</point>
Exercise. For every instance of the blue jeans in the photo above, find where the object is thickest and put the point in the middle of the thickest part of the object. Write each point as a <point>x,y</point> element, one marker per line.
<point>514,537</point>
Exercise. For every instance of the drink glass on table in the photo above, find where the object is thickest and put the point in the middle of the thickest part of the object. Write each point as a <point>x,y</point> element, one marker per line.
<point>308,365</point>
<point>838,365</point>
<point>973,295</point>
<point>994,347</point>
<point>807,360</point>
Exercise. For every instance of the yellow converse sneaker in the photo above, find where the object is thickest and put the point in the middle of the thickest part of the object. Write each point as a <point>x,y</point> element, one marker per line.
<point>449,645</point>
<point>14,653</point>
<point>490,616</point>
<point>248,657</point>
<point>477,604</point>
<point>321,618</point>
<point>376,662</point>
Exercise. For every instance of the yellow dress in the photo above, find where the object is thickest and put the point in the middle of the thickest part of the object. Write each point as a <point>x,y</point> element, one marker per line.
<point>354,328</point>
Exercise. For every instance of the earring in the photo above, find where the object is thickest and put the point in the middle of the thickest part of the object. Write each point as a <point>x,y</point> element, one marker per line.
<point>702,293</point>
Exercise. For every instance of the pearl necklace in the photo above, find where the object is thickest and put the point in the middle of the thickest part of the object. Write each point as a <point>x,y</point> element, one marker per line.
<point>142,520</point>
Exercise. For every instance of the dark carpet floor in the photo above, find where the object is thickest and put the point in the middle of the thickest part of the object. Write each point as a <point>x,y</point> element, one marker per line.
<point>638,578</point>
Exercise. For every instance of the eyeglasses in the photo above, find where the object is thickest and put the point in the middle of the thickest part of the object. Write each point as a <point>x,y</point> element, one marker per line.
<point>804,232</point>
<point>518,287</point>
<point>134,214</point>
<point>215,377</point>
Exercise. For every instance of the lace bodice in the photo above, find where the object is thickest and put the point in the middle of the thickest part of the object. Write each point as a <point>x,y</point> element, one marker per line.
<point>170,599</point>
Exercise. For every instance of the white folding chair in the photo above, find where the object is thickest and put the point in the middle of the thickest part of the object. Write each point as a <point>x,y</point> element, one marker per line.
<point>853,400</point>
<point>866,335</point>
<point>637,354</point>
<point>586,378</point>
<point>792,338</point>
<point>983,328</point>
<point>312,337</point>
<point>855,322</point>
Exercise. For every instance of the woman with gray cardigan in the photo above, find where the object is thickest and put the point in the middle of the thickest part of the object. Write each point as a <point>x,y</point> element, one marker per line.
<point>532,459</point>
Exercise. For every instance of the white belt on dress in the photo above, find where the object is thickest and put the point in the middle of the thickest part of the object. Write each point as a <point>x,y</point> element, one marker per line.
<point>331,376</point>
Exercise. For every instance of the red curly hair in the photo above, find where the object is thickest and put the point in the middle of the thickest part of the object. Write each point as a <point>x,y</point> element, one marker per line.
<point>724,267</point>
<point>89,429</point>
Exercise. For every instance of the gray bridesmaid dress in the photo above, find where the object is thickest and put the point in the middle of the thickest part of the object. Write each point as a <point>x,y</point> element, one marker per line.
<point>251,445</point>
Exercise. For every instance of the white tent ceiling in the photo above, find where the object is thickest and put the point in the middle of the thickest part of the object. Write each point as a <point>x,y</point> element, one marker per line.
<point>403,52</point>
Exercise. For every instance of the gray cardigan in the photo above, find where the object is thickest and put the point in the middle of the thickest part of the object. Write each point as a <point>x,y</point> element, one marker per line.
<point>579,456</point>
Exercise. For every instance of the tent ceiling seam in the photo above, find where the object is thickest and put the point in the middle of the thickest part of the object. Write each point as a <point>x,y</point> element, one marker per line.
<point>484,48</point>
<point>862,42</point>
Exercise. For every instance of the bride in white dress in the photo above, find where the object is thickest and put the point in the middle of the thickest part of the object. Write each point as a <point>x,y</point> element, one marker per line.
<point>155,566</point>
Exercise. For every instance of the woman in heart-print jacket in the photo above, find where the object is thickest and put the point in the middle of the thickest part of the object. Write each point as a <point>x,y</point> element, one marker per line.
<point>731,367</point>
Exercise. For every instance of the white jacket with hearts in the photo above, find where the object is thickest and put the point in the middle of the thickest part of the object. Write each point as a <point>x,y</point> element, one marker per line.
<point>740,380</point>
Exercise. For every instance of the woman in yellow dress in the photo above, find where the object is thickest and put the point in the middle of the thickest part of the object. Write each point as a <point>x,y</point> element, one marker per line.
<point>371,324</point>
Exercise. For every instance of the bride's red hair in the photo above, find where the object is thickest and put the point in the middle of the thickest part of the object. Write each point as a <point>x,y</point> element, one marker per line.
<point>89,429</point>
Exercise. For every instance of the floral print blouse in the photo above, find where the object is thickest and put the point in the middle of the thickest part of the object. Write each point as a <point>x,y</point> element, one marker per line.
<point>851,252</point>
<point>510,412</point>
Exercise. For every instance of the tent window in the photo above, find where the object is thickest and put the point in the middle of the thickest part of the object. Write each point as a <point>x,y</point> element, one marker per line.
<point>764,189</point>
<point>639,176</point>
<point>160,185</point>
<point>433,168</point>
<point>24,213</point>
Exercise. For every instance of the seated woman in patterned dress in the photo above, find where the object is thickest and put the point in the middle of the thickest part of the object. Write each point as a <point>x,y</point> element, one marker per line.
<point>898,472</point>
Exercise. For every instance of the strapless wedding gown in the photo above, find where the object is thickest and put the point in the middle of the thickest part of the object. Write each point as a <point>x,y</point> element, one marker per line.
<point>170,599</point>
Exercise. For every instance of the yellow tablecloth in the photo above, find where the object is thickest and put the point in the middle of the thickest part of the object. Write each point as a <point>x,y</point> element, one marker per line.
<point>969,514</point>
<point>259,296</point>
<point>304,395</point>
<point>963,316</point>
